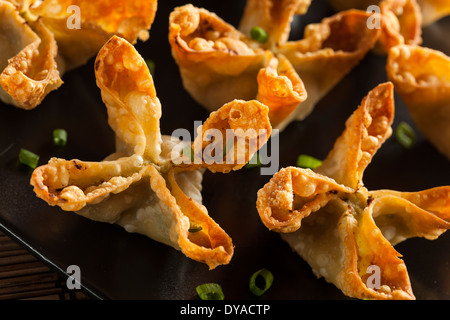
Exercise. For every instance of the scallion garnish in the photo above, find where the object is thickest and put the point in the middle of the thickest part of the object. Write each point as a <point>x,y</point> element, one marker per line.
<point>259,34</point>
<point>405,135</point>
<point>194,228</point>
<point>254,162</point>
<point>150,66</point>
<point>59,137</point>
<point>267,277</point>
<point>306,161</point>
<point>28,158</point>
<point>210,291</point>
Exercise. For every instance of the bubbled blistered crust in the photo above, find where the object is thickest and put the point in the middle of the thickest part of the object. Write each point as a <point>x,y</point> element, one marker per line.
<point>422,79</point>
<point>338,226</point>
<point>401,23</point>
<point>365,131</point>
<point>430,10</point>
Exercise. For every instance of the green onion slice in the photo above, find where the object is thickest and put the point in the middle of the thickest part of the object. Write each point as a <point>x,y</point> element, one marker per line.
<point>210,291</point>
<point>28,158</point>
<point>228,145</point>
<point>405,135</point>
<point>259,34</point>
<point>59,137</point>
<point>194,228</point>
<point>188,152</point>
<point>254,162</point>
<point>306,161</point>
<point>268,279</point>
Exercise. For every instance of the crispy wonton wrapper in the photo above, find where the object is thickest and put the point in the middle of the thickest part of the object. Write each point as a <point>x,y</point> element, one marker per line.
<point>219,63</point>
<point>422,78</point>
<point>139,186</point>
<point>274,16</point>
<point>431,10</point>
<point>40,43</point>
<point>400,20</point>
<point>27,59</point>
<point>345,232</point>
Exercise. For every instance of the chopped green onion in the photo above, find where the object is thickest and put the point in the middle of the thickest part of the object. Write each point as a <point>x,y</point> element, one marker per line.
<point>254,162</point>
<point>59,137</point>
<point>405,135</point>
<point>150,66</point>
<point>188,152</point>
<point>193,228</point>
<point>306,161</point>
<point>259,34</point>
<point>28,158</point>
<point>268,279</point>
<point>210,291</point>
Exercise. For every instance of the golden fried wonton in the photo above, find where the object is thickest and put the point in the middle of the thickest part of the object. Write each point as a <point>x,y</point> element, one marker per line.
<point>146,186</point>
<point>422,78</point>
<point>44,39</point>
<point>219,63</point>
<point>345,232</point>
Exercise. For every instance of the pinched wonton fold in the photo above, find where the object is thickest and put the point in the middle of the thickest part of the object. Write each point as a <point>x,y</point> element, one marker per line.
<point>40,44</point>
<point>328,51</point>
<point>431,10</point>
<point>27,59</point>
<point>219,63</point>
<point>140,186</point>
<point>422,79</point>
<point>345,232</point>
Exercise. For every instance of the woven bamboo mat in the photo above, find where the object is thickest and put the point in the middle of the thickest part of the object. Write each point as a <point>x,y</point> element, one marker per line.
<point>24,277</point>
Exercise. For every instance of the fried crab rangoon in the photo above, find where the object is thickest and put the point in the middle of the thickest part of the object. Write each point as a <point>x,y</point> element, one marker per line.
<point>139,187</point>
<point>344,230</point>
<point>218,62</point>
<point>38,47</point>
<point>421,77</point>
